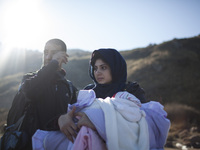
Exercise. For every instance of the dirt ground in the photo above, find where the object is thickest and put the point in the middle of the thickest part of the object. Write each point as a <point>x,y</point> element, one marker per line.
<point>180,149</point>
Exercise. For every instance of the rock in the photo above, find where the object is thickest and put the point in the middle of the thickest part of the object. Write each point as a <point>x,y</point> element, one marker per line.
<point>195,141</point>
<point>181,146</point>
<point>194,129</point>
<point>183,134</point>
<point>169,144</point>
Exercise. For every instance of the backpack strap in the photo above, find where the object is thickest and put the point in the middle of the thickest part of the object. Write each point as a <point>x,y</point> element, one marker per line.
<point>135,89</point>
<point>70,85</point>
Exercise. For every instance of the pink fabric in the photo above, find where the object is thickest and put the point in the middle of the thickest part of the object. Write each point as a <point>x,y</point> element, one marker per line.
<point>87,139</point>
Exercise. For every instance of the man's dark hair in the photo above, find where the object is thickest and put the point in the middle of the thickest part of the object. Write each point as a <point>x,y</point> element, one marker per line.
<point>58,42</point>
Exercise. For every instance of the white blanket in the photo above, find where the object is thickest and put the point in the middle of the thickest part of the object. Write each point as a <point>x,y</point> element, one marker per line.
<point>126,128</point>
<point>125,123</point>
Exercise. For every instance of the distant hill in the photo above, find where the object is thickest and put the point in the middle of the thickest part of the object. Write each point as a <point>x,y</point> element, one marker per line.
<point>18,60</point>
<point>169,72</point>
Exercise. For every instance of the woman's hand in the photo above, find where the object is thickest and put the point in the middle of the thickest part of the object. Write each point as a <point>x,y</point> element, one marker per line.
<point>67,126</point>
<point>84,121</point>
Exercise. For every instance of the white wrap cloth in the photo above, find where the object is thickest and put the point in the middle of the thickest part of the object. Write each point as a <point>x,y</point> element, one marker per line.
<point>120,122</point>
<point>125,124</point>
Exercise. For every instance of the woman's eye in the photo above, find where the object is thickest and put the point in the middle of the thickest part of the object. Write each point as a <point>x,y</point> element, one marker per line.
<point>104,67</point>
<point>95,69</point>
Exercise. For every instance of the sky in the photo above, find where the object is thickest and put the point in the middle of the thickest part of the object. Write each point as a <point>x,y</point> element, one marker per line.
<point>93,24</point>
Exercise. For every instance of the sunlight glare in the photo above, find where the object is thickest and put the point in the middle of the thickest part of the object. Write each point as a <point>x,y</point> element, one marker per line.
<point>11,57</point>
<point>23,23</point>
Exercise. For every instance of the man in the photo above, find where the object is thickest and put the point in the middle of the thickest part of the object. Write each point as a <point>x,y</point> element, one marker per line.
<point>47,90</point>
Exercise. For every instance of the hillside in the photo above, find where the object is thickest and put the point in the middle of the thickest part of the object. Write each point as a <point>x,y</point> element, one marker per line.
<point>169,73</point>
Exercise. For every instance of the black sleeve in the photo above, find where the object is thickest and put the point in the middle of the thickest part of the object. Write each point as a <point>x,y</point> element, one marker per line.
<point>74,97</point>
<point>33,86</point>
<point>53,123</point>
<point>135,89</point>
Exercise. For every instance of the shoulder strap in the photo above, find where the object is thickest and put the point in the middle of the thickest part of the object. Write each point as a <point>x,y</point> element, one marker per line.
<point>135,89</point>
<point>89,86</point>
<point>70,89</point>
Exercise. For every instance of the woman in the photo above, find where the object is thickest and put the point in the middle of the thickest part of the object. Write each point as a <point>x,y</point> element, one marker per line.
<point>109,72</point>
<point>118,75</point>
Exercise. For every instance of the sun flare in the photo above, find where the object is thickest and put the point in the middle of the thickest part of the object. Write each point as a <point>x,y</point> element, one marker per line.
<point>23,22</point>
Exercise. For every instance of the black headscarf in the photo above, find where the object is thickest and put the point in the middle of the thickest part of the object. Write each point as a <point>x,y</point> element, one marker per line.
<point>118,71</point>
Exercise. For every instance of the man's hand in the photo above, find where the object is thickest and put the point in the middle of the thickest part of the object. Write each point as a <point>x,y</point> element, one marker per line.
<point>84,121</point>
<point>61,57</point>
<point>67,126</point>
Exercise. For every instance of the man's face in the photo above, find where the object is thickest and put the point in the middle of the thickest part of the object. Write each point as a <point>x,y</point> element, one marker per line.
<point>49,50</point>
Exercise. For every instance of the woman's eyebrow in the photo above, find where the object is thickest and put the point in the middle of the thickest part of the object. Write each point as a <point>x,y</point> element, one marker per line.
<point>101,65</point>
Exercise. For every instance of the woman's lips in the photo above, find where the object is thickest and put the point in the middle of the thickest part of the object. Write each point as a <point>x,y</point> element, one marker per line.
<point>99,79</point>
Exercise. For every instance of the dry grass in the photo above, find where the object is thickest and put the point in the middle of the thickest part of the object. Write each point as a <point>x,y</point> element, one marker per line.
<point>185,124</point>
<point>182,115</point>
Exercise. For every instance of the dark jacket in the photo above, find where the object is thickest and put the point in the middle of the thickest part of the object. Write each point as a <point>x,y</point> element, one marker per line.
<point>131,87</point>
<point>48,92</point>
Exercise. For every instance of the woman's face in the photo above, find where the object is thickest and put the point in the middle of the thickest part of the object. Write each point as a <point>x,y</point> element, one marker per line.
<point>102,72</point>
